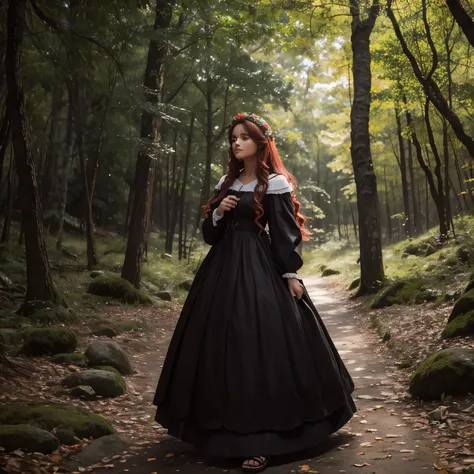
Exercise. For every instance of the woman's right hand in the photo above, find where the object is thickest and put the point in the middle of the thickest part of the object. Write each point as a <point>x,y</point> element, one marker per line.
<point>227,204</point>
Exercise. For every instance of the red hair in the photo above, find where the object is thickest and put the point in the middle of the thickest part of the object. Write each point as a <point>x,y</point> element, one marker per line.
<point>268,161</point>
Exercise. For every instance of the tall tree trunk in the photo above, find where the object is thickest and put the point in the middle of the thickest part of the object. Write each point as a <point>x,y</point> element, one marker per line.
<point>75,89</point>
<point>182,243</point>
<point>354,221</point>
<point>149,133</point>
<point>387,206</point>
<point>372,272</point>
<point>8,210</point>
<point>338,210</point>
<point>39,282</point>
<point>4,140</point>
<point>463,19</point>
<point>68,152</point>
<point>430,87</point>
<point>403,172</point>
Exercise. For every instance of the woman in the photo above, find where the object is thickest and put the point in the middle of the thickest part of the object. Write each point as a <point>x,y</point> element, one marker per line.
<point>251,371</point>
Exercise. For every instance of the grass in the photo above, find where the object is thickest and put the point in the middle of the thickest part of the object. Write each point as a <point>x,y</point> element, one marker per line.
<point>443,270</point>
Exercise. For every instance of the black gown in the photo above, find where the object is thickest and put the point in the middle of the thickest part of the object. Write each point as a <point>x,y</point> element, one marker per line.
<point>250,370</point>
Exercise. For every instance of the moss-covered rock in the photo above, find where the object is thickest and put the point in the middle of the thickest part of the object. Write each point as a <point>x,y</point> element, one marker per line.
<point>104,383</point>
<point>108,353</point>
<point>463,305</point>
<point>84,423</point>
<point>67,437</point>
<point>463,325</point>
<point>52,315</point>
<point>470,286</point>
<point>114,286</point>
<point>52,340</point>
<point>464,253</point>
<point>399,292</point>
<point>416,248</point>
<point>96,273</point>
<point>83,391</point>
<point>30,307</point>
<point>452,262</point>
<point>185,285</point>
<point>448,372</point>
<point>72,358</point>
<point>27,438</point>
<point>127,326</point>
<point>329,271</point>
<point>11,337</point>
<point>355,284</point>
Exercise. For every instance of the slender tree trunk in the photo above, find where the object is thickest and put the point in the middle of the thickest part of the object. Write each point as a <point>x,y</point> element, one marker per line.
<point>403,171</point>
<point>387,206</point>
<point>39,284</point>
<point>149,132</point>
<point>338,211</point>
<point>68,157</point>
<point>182,232</point>
<point>462,18</point>
<point>8,210</point>
<point>76,89</point>
<point>372,272</point>
<point>4,140</point>
<point>354,221</point>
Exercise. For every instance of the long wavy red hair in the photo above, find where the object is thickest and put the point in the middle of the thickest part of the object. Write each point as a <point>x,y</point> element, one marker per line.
<point>269,162</point>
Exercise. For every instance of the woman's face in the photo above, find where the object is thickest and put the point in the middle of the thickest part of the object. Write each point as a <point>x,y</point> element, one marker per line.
<point>242,145</point>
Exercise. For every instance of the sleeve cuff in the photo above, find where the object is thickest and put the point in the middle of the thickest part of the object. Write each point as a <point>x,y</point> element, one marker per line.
<point>216,218</point>
<point>290,275</point>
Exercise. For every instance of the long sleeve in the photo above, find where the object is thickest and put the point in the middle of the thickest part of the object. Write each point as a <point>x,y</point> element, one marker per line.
<point>285,234</point>
<point>213,229</point>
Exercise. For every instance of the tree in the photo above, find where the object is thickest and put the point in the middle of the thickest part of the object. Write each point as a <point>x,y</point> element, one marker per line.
<point>371,264</point>
<point>462,18</point>
<point>40,284</point>
<point>149,133</point>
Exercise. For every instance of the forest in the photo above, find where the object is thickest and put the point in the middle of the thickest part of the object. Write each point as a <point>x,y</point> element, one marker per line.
<point>113,133</point>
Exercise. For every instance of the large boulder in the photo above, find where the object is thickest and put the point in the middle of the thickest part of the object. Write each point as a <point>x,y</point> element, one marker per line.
<point>448,372</point>
<point>82,422</point>
<point>462,325</point>
<point>463,305</point>
<point>53,340</point>
<point>108,353</point>
<point>27,438</point>
<point>104,383</point>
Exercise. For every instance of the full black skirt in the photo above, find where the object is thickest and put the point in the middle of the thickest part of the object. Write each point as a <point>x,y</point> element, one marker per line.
<point>250,370</point>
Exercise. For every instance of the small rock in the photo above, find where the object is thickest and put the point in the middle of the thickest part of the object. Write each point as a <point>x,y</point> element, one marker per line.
<point>438,415</point>
<point>105,447</point>
<point>83,391</point>
<point>186,285</point>
<point>164,295</point>
<point>106,331</point>
<point>108,353</point>
<point>104,383</point>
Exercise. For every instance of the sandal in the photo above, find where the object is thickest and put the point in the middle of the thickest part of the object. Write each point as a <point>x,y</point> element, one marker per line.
<point>261,463</point>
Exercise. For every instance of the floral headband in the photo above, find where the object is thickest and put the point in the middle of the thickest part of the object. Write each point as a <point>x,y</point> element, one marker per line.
<point>256,119</point>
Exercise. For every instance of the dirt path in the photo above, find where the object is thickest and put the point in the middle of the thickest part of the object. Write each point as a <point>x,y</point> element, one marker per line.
<point>377,440</point>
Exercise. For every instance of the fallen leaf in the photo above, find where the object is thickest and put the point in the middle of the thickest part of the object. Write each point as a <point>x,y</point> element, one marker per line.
<point>169,455</point>
<point>154,459</point>
<point>361,465</point>
<point>305,467</point>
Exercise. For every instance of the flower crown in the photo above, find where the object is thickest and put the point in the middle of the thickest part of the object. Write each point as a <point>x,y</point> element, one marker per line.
<point>256,119</point>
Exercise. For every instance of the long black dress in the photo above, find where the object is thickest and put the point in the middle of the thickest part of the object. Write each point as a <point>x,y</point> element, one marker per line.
<point>251,370</point>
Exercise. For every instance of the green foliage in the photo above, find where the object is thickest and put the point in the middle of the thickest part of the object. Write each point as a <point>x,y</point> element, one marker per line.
<point>399,292</point>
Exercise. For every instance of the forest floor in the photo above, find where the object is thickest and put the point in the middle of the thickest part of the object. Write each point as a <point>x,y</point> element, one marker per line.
<point>391,432</point>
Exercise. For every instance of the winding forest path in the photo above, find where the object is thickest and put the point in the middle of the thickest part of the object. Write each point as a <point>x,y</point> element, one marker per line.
<point>377,440</point>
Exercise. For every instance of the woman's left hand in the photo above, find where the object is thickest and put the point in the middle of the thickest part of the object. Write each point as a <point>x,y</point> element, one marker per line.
<point>295,287</point>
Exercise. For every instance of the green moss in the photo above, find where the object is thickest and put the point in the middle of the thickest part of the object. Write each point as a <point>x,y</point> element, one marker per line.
<point>463,305</point>
<point>461,326</point>
<point>128,326</point>
<point>11,337</point>
<point>52,340</point>
<point>108,368</point>
<point>53,315</point>
<point>74,358</point>
<point>430,250</point>
<point>399,292</point>
<point>464,253</point>
<point>329,271</point>
<point>449,371</point>
<point>113,285</point>
<point>82,422</point>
